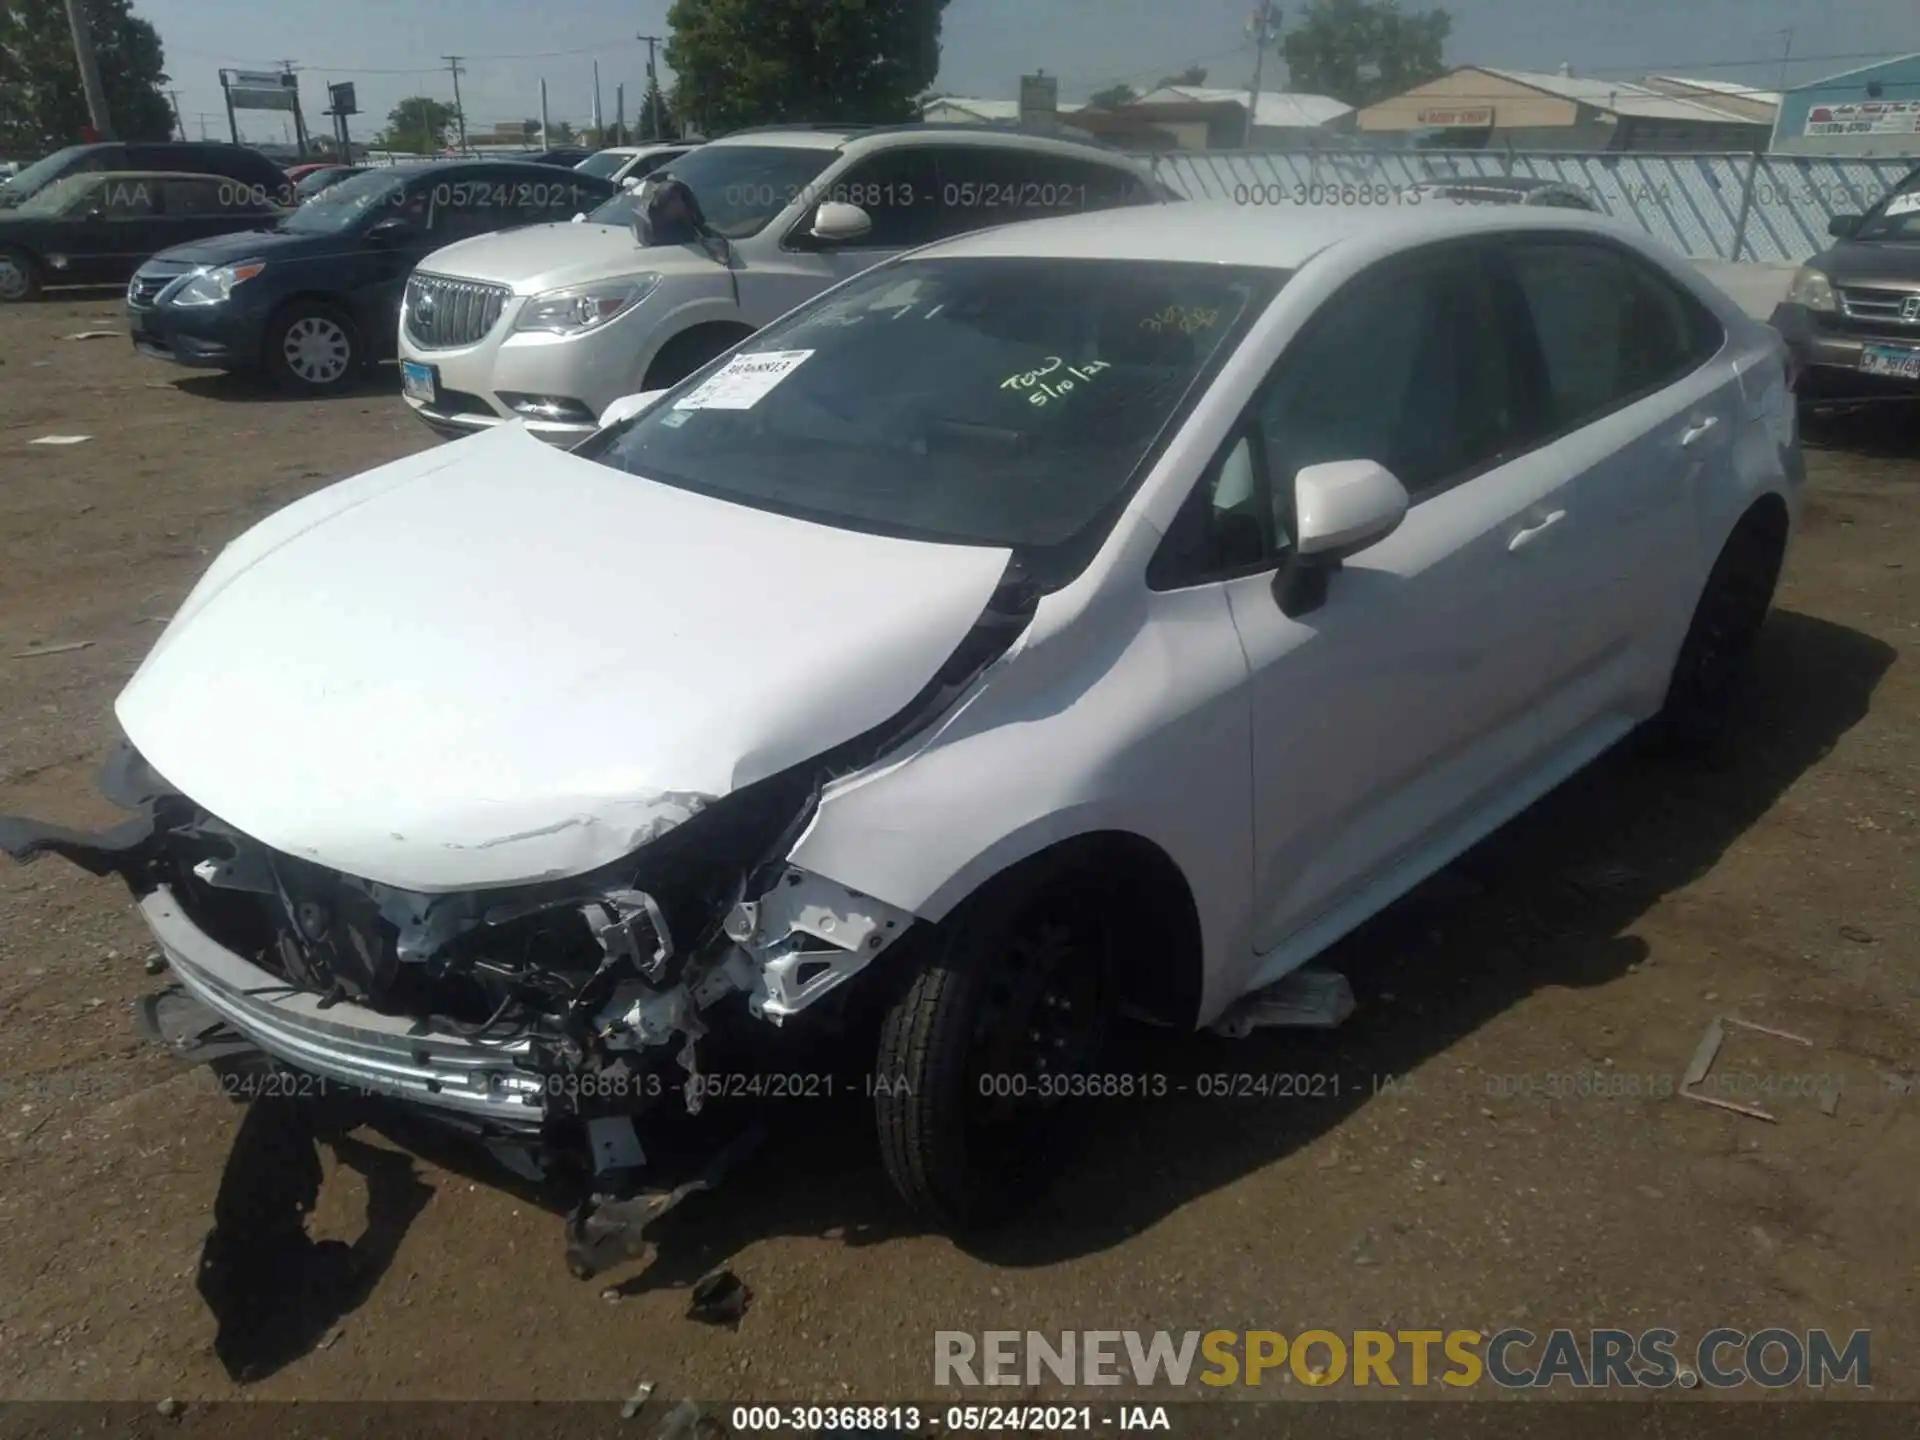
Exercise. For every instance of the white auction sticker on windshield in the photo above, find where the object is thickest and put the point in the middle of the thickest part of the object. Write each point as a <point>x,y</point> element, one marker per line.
<point>744,381</point>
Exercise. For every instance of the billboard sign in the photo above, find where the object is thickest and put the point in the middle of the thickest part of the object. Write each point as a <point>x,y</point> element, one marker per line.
<point>261,89</point>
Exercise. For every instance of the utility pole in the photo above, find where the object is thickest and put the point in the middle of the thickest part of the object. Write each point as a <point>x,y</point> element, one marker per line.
<point>650,128</point>
<point>459,111</point>
<point>178,120</point>
<point>1264,25</point>
<point>544,143</point>
<point>89,71</point>
<point>1786,54</point>
<point>299,120</point>
<point>620,111</point>
<point>598,128</point>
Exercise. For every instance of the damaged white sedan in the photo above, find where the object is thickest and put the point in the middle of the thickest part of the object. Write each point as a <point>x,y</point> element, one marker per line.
<point>1095,615</point>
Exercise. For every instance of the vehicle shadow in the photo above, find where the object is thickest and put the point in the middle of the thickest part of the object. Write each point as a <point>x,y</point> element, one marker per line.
<point>1882,430</point>
<point>274,1291</point>
<point>254,386</point>
<point>1544,902</point>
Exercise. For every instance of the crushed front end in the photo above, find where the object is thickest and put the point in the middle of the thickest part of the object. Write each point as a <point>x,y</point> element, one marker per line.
<point>551,1021</point>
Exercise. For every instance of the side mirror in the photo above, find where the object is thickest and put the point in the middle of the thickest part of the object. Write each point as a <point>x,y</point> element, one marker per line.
<point>1844,227</point>
<point>627,406</point>
<point>838,223</point>
<point>1341,507</point>
<point>390,230</point>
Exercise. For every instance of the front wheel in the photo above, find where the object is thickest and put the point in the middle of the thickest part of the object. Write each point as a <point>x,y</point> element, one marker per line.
<point>19,275</point>
<point>312,349</point>
<point>991,1044</point>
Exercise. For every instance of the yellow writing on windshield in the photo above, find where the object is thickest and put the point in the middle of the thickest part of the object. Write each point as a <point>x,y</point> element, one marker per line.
<point>1183,318</point>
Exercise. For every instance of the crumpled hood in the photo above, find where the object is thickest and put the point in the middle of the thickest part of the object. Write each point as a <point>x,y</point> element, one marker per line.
<point>495,663</point>
<point>547,257</point>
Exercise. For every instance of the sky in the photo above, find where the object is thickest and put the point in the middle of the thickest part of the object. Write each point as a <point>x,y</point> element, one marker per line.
<point>393,49</point>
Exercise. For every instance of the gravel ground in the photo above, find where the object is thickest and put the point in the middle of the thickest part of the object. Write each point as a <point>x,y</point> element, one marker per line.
<point>1433,1182</point>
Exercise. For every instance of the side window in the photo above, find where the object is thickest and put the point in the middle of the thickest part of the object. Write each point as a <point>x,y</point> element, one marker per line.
<point>1226,527</point>
<point>124,199</point>
<point>471,202</point>
<point>1406,366</point>
<point>182,199</point>
<point>1609,329</point>
<point>1061,185</point>
<point>535,202</point>
<point>899,190</point>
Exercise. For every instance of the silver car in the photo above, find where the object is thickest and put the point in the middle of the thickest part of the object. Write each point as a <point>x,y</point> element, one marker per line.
<point>552,323</point>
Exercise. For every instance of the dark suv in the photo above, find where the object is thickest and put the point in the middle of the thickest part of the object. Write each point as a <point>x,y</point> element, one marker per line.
<point>315,299</point>
<point>266,180</point>
<point>1852,315</point>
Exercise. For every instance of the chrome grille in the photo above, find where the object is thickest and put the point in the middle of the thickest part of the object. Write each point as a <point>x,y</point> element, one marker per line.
<point>443,313</point>
<point>1902,307</point>
<point>145,287</point>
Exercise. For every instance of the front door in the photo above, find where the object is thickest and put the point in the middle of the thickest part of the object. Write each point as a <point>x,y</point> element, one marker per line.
<point>115,226</point>
<point>1388,721</point>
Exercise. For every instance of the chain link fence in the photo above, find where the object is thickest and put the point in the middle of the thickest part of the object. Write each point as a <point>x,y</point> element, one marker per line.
<point>1709,207</point>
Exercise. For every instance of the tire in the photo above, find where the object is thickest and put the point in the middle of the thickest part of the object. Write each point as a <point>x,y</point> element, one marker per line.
<point>312,348</point>
<point>688,351</point>
<point>1016,992</point>
<point>1719,642</point>
<point>19,276</point>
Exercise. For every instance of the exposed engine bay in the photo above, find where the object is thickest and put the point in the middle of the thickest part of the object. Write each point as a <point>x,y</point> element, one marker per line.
<point>543,1019</point>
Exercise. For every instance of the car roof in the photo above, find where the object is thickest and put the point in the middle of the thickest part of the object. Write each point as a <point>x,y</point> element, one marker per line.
<point>123,175</point>
<point>1221,232</point>
<point>1489,182</point>
<point>425,167</point>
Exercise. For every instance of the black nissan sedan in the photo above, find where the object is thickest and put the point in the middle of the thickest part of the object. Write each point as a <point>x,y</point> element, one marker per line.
<point>315,299</point>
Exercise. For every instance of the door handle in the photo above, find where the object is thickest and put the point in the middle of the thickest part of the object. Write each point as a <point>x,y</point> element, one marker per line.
<point>1697,431</point>
<point>1526,537</point>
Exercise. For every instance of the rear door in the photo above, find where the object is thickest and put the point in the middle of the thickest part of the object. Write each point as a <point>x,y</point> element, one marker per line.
<point>199,206</point>
<point>1633,403</point>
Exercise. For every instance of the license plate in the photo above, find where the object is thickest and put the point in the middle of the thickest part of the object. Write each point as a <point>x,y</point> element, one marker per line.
<point>1902,362</point>
<point>419,382</point>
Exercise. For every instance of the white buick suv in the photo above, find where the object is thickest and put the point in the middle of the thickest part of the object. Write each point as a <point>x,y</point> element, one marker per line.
<point>552,323</point>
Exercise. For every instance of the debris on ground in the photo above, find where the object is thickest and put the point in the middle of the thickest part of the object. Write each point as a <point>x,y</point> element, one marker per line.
<point>1709,1048</point>
<point>636,1400</point>
<point>62,649</point>
<point>680,1421</point>
<point>168,1408</point>
<point>1361,1252</point>
<point>93,335</point>
<point>719,1298</point>
<point>1856,934</point>
<point>1306,999</point>
<point>60,440</point>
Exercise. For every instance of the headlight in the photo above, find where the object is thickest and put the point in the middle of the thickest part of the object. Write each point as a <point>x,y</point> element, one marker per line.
<point>1812,289</point>
<point>581,308</point>
<point>213,287</point>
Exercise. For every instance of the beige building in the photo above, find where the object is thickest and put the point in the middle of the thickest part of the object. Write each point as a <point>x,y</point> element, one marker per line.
<point>1478,106</point>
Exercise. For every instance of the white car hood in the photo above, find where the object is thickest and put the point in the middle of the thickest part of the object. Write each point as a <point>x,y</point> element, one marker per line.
<point>547,257</point>
<point>496,663</point>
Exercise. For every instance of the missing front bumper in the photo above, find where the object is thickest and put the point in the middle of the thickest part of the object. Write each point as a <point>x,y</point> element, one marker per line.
<point>350,1045</point>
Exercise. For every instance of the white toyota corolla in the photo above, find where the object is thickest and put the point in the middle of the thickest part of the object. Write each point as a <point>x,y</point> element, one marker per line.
<point>1095,614</point>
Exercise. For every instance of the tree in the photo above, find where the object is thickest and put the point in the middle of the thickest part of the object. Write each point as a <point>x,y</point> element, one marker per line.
<point>42,102</point>
<point>1113,95</point>
<point>760,62</point>
<point>1361,51</point>
<point>656,120</point>
<point>560,133</point>
<point>419,125</point>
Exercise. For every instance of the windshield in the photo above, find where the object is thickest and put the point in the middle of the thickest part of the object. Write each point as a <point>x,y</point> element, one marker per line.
<point>604,164</point>
<point>37,174</point>
<point>342,206</point>
<point>312,184</point>
<point>740,187</point>
<point>1898,216</point>
<point>55,199</point>
<point>981,401</point>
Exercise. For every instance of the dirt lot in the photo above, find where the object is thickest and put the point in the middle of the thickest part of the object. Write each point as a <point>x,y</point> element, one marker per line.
<point>1441,1187</point>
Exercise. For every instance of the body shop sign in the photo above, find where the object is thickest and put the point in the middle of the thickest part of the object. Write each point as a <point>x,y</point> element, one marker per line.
<point>1868,117</point>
